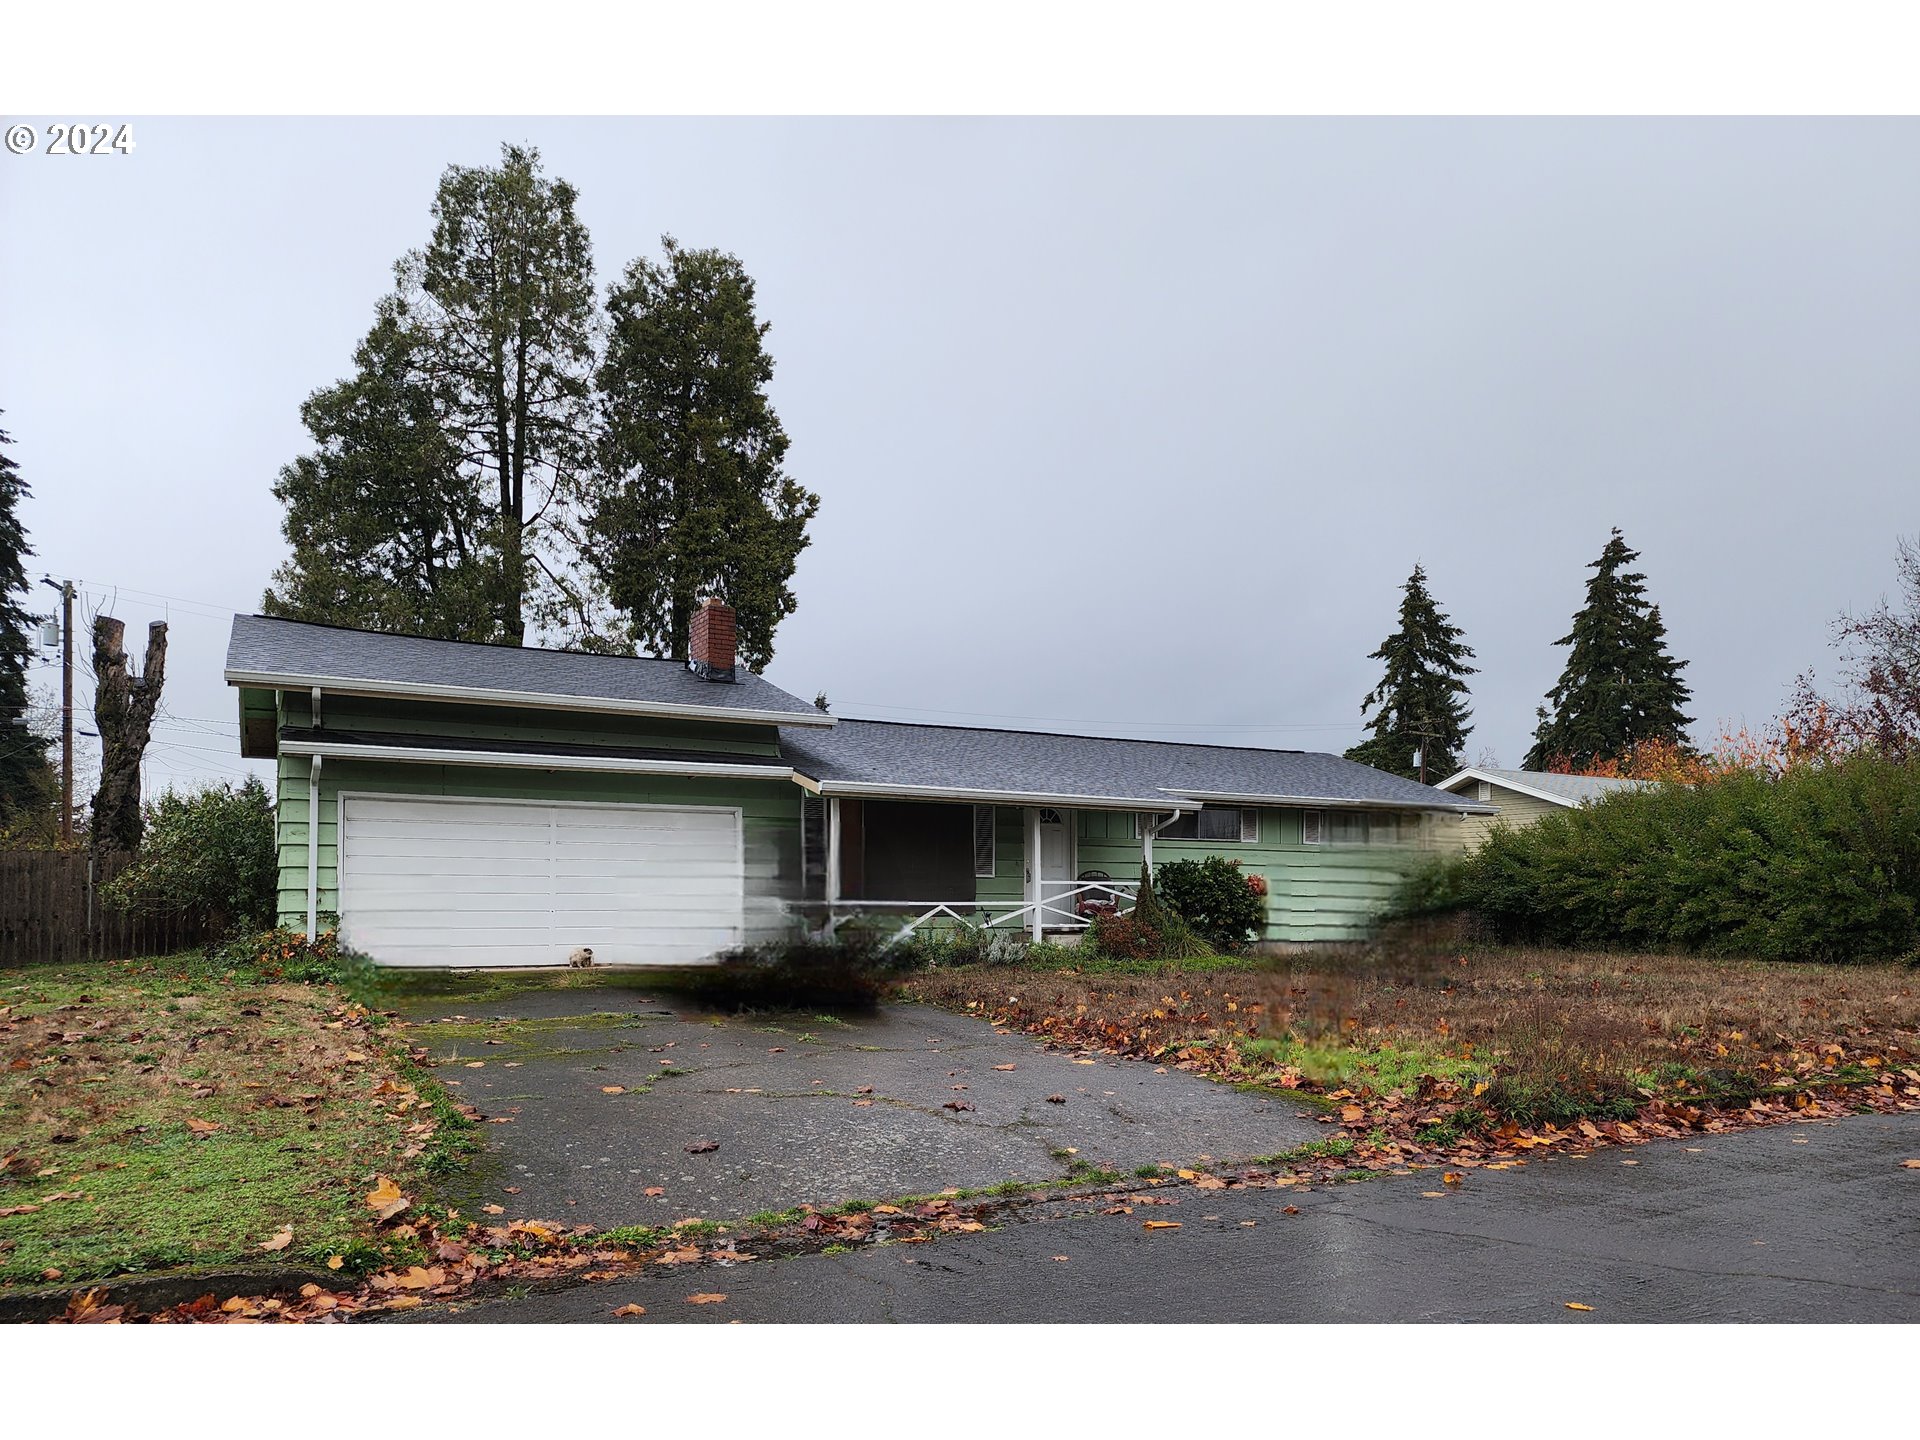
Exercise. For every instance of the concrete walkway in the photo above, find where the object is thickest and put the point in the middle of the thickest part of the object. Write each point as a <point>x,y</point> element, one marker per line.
<point>1797,1222</point>
<point>807,1108</point>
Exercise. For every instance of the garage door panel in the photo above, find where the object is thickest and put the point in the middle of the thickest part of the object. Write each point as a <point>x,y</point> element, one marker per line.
<point>444,882</point>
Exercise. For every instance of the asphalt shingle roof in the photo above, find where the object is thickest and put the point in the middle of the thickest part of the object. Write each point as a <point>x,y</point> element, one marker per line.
<point>1023,762</point>
<point>300,654</point>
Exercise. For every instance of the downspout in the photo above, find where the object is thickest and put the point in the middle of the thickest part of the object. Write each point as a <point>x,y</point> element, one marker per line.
<point>313,835</point>
<point>1150,828</point>
<point>833,861</point>
<point>1034,881</point>
<point>313,848</point>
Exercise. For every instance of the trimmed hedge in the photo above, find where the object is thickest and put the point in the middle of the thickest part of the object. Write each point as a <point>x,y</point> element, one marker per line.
<point>1822,863</point>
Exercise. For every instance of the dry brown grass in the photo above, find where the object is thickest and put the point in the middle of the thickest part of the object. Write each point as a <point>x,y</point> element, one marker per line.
<point>1637,1011</point>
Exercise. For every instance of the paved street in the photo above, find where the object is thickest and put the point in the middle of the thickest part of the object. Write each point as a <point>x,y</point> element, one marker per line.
<point>817,1108</point>
<point>1798,1222</point>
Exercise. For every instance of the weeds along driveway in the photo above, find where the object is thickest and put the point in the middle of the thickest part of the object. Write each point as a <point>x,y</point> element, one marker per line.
<point>595,1096</point>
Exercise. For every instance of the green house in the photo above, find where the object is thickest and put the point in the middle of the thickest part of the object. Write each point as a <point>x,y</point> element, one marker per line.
<point>471,805</point>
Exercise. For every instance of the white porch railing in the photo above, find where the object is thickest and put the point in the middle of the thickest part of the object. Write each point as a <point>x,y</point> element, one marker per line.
<point>1063,905</point>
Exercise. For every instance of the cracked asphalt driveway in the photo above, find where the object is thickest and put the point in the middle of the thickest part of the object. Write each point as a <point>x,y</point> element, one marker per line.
<point>807,1108</point>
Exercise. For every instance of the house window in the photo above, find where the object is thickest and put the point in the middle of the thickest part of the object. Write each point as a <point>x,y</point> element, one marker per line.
<point>1050,816</point>
<point>1226,824</point>
<point>1357,827</point>
<point>982,842</point>
<point>813,846</point>
<point>1483,792</point>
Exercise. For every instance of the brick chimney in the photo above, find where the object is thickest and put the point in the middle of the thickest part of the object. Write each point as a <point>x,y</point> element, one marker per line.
<point>710,645</point>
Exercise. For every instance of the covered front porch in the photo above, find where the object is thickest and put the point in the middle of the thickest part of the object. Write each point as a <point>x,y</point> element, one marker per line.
<point>1037,870</point>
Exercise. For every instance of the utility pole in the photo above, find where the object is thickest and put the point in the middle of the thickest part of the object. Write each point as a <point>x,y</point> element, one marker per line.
<point>65,587</point>
<point>1423,736</point>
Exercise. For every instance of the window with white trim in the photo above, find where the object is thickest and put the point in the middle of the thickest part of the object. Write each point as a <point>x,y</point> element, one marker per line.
<point>1357,827</point>
<point>1228,824</point>
<point>983,850</point>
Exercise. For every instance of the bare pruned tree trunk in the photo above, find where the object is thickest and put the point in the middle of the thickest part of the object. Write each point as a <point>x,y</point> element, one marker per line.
<point>123,706</point>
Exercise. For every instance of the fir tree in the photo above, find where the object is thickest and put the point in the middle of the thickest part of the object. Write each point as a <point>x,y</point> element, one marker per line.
<point>698,499</point>
<point>23,755</point>
<point>447,482</point>
<point>1621,686</point>
<point>1420,723</point>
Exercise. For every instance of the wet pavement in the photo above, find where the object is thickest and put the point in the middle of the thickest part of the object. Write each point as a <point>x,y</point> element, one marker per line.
<point>802,1108</point>
<point>1794,1223</point>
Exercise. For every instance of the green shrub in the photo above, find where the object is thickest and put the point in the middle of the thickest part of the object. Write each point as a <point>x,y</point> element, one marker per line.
<point>1822,863</point>
<point>211,850</point>
<point>1213,896</point>
<point>287,955</point>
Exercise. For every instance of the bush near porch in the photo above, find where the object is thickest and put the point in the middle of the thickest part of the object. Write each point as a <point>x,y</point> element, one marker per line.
<point>1223,904</point>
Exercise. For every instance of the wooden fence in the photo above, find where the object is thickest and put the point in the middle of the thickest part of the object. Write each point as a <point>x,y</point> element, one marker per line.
<point>51,911</point>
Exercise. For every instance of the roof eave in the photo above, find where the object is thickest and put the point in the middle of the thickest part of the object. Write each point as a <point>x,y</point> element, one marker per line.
<point>526,699</point>
<point>877,790</point>
<point>523,760</point>
<point>1566,802</point>
<point>1334,802</point>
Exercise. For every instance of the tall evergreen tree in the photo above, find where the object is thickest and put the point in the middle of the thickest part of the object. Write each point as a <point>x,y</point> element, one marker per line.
<point>389,530</point>
<point>488,341</point>
<point>696,500</point>
<point>1621,686</point>
<point>1421,715</point>
<point>24,771</point>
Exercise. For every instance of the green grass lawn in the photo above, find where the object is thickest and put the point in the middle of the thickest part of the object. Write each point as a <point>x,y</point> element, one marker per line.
<point>169,1113</point>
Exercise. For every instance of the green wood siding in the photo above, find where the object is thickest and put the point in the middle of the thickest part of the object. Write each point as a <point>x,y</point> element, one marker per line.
<point>494,722</point>
<point>1314,892</point>
<point>770,809</point>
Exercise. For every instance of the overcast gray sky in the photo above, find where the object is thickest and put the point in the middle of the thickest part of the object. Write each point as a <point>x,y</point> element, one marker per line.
<point>1122,426</point>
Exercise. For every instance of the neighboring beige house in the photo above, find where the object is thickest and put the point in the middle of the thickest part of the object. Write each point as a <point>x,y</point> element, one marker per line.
<point>1522,797</point>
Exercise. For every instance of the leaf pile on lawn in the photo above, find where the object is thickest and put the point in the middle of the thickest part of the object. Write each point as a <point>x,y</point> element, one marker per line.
<point>1482,1057</point>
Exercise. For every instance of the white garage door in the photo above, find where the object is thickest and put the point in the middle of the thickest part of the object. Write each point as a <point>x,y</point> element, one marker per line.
<point>479,883</point>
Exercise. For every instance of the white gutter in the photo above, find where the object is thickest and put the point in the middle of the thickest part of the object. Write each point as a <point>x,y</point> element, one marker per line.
<point>1331,802</point>
<point>517,760</point>
<point>863,788</point>
<point>532,699</point>
<point>313,850</point>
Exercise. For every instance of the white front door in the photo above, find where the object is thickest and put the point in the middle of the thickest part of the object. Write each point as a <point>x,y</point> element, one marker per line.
<point>1055,870</point>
